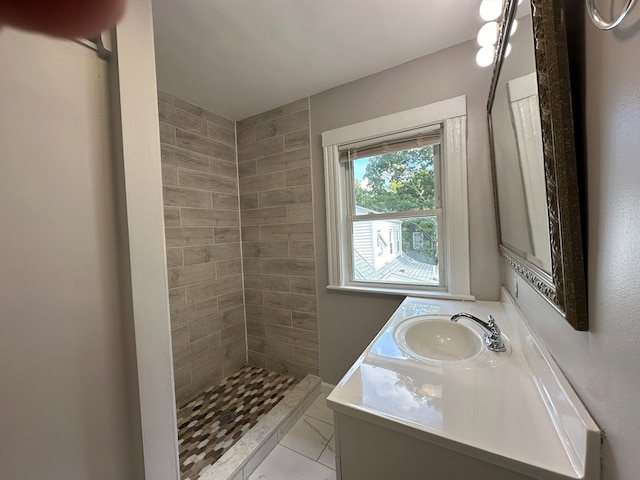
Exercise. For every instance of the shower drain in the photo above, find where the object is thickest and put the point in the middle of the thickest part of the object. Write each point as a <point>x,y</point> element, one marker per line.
<point>226,417</point>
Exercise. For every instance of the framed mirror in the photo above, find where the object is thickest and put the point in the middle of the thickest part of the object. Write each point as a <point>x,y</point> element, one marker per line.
<point>533,156</point>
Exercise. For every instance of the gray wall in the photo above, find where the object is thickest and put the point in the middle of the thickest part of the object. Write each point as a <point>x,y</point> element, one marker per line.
<point>200,195</point>
<point>603,365</point>
<point>64,412</point>
<point>86,387</point>
<point>348,322</point>
<point>277,239</point>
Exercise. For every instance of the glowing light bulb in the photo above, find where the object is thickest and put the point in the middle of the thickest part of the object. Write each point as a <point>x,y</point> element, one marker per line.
<point>514,27</point>
<point>484,57</point>
<point>490,9</point>
<point>507,51</point>
<point>488,34</point>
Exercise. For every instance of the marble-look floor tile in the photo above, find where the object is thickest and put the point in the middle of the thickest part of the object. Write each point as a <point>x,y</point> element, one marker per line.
<point>328,455</point>
<point>319,409</point>
<point>285,464</point>
<point>308,437</point>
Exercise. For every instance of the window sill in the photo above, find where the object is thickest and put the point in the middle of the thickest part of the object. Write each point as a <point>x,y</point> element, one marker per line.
<point>402,292</point>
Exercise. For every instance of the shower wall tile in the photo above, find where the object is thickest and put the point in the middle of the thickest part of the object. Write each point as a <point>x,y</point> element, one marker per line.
<point>222,201</point>
<point>223,168</point>
<point>200,187</point>
<point>226,235</point>
<point>290,232</point>
<point>180,337</point>
<point>299,176</point>
<point>174,116</point>
<point>174,257</point>
<point>284,161</point>
<point>177,298</point>
<point>302,249</point>
<point>246,136</point>
<point>263,216</point>
<point>259,118</point>
<point>182,237</point>
<point>182,276</point>
<point>200,292</point>
<point>189,314</point>
<point>171,217</point>
<point>298,105</point>
<point>182,197</point>
<point>289,266</point>
<point>247,168</point>
<point>282,125</point>
<point>297,140</point>
<point>167,134</point>
<point>211,253</point>
<point>257,359</point>
<point>180,158</point>
<point>169,175</point>
<point>208,182</point>
<point>263,182</point>
<point>252,297</point>
<point>202,145</point>
<point>208,217</point>
<point>230,300</point>
<point>164,97</point>
<point>255,328</point>
<point>276,210</point>
<point>207,115</point>
<point>249,201</point>
<point>220,134</point>
<point>305,321</point>
<point>285,196</point>
<point>182,377</point>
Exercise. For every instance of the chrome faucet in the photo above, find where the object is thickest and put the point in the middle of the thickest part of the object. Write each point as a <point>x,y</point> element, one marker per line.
<point>493,335</point>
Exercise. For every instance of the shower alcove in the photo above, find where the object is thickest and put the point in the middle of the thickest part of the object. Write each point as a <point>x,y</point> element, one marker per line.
<point>241,275</point>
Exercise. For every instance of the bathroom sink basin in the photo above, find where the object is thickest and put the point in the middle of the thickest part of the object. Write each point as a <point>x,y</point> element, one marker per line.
<point>437,339</point>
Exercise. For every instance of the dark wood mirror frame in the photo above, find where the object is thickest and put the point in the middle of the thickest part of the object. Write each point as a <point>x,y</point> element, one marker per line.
<point>565,288</point>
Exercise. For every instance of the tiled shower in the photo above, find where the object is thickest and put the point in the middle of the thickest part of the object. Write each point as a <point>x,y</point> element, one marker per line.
<point>240,248</point>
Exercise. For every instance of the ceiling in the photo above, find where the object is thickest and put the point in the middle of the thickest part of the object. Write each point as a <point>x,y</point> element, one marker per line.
<point>242,57</point>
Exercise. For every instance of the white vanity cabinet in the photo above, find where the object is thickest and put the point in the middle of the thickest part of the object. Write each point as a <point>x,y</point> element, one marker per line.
<point>510,415</point>
<point>371,451</point>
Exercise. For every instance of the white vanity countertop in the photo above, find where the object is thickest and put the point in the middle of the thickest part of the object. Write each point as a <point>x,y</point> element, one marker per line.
<point>516,410</point>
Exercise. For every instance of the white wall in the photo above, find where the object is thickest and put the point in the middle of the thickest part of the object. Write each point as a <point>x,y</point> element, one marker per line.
<point>347,321</point>
<point>603,365</point>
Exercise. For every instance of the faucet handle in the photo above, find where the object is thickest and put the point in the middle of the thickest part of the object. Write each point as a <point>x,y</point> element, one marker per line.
<point>493,340</point>
<point>493,326</point>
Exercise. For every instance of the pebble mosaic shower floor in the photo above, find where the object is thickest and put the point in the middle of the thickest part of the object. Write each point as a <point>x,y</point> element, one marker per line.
<point>211,423</point>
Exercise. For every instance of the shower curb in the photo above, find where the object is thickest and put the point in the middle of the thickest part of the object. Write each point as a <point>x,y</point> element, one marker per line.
<point>244,457</point>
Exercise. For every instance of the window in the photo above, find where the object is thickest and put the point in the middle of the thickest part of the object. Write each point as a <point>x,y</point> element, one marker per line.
<point>397,213</point>
<point>394,185</point>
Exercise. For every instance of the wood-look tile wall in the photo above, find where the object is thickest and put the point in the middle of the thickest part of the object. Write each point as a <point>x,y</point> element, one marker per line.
<point>274,166</point>
<point>200,186</point>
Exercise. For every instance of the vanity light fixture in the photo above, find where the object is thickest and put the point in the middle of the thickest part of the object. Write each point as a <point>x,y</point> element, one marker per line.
<point>491,10</point>
<point>485,55</point>
<point>488,35</point>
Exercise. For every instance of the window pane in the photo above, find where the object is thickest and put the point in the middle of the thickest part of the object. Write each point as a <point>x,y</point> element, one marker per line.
<point>396,251</point>
<point>395,182</point>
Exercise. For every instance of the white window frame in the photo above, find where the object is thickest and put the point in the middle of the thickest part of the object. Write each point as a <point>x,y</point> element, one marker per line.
<point>452,114</point>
